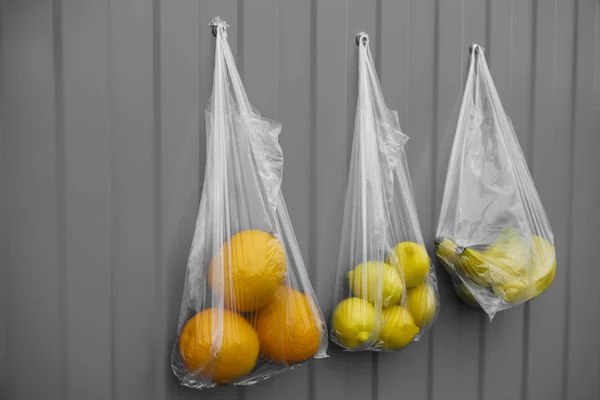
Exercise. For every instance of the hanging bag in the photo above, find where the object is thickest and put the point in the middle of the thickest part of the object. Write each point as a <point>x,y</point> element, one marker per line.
<point>493,235</point>
<point>386,290</point>
<point>248,309</point>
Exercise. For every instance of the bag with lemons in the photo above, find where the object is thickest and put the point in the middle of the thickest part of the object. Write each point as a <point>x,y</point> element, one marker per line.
<point>493,235</point>
<point>248,309</point>
<point>386,289</point>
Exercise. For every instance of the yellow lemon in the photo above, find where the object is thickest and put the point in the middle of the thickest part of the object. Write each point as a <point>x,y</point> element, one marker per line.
<point>413,261</point>
<point>354,322</point>
<point>398,327</point>
<point>375,279</point>
<point>422,304</point>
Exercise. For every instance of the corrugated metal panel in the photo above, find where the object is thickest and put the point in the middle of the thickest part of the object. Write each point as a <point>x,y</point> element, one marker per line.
<point>102,155</point>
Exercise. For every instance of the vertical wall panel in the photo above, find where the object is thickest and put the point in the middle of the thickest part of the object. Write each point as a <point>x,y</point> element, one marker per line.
<point>361,17</point>
<point>207,10</point>
<point>456,333</point>
<point>407,68</point>
<point>291,56</point>
<point>337,66</point>
<point>133,201</point>
<point>503,339</point>
<point>260,54</point>
<point>35,280</point>
<point>87,198</point>
<point>582,361</point>
<point>180,129</point>
<point>332,139</point>
<point>261,60</point>
<point>551,167</point>
<point>4,228</point>
<point>102,160</point>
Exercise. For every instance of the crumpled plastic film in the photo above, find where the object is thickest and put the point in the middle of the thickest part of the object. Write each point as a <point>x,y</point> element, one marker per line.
<point>493,235</point>
<point>386,290</point>
<point>248,309</point>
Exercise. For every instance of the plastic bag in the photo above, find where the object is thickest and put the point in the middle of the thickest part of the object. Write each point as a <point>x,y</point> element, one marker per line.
<point>248,309</point>
<point>386,289</point>
<point>493,235</point>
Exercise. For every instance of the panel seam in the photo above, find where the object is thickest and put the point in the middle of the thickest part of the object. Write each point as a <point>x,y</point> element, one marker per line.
<point>60,176</point>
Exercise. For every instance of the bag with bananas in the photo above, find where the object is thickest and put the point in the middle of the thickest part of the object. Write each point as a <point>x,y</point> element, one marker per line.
<point>386,289</point>
<point>493,235</point>
<point>248,309</point>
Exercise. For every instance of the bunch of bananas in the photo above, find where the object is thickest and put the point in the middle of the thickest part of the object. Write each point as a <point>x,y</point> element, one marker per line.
<point>509,269</point>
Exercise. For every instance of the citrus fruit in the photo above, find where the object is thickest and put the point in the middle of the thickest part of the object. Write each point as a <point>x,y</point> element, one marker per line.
<point>422,304</point>
<point>287,329</point>
<point>218,345</point>
<point>413,262</point>
<point>375,278</point>
<point>247,269</point>
<point>354,322</point>
<point>398,327</point>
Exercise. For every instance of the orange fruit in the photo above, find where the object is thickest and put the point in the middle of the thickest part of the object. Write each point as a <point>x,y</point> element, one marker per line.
<point>218,345</point>
<point>247,270</point>
<point>287,329</point>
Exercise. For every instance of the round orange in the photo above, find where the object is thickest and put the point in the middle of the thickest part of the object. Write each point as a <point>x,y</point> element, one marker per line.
<point>247,270</point>
<point>218,345</point>
<point>287,329</point>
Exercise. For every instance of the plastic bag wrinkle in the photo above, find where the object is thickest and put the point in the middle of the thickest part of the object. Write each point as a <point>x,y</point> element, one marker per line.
<point>386,291</point>
<point>248,309</point>
<point>493,235</point>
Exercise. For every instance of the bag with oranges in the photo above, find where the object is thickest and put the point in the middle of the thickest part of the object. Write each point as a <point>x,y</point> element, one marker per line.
<point>386,289</point>
<point>248,309</point>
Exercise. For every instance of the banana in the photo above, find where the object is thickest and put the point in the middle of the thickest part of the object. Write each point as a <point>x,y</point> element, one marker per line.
<point>543,267</point>
<point>508,268</point>
<point>447,250</point>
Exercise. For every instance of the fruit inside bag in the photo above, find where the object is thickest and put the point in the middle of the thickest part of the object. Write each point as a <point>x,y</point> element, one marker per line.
<point>493,237</point>
<point>386,289</point>
<point>248,309</point>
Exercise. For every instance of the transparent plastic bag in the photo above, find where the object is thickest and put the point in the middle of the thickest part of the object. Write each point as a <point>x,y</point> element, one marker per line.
<point>493,235</point>
<point>386,289</point>
<point>248,309</point>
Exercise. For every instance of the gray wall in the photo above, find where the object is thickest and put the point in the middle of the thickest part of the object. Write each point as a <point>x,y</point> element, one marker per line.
<point>102,155</point>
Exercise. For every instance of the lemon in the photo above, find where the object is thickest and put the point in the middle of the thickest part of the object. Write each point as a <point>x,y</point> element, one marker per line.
<point>354,322</point>
<point>375,278</point>
<point>422,304</point>
<point>413,262</point>
<point>543,266</point>
<point>398,327</point>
